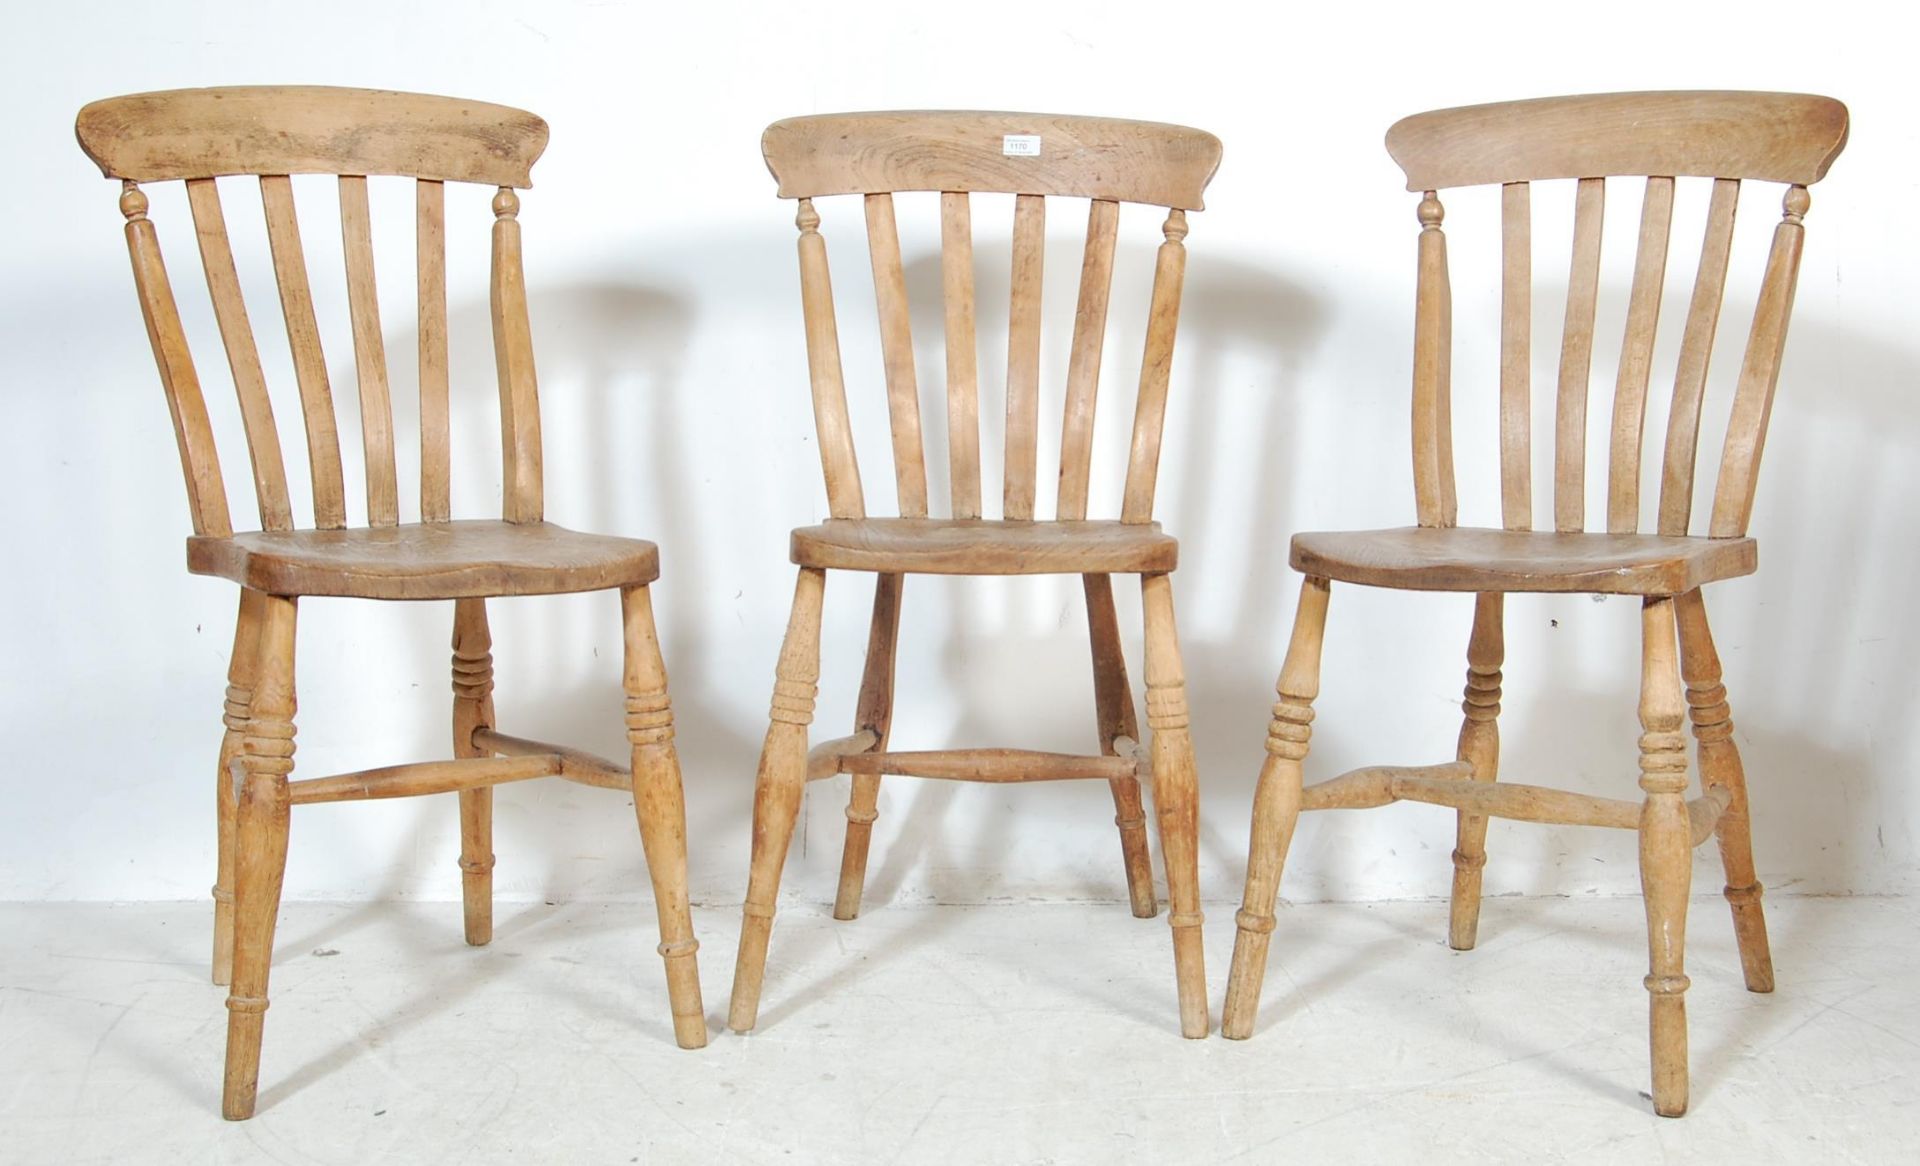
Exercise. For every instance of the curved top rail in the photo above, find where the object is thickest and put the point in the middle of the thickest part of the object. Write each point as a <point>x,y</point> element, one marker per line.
<point>1017,153</point>
<point>1774,137</point>
<point>309,129</point>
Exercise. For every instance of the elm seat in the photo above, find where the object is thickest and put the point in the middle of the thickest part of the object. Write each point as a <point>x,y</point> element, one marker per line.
<point>935,546</point>
<point>1425,558</point>
<point>433,560</point>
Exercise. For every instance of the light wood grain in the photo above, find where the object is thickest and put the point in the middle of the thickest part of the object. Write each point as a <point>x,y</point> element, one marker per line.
<point>660,805</point>
<point>1081,157</point>
<point>1759,375</point>
<point>259,774</point>
<point>1666,861</point>
<point>1433,372</point>
<point>440,560</point>
<point>1696,348</point>
<point>1023,357</point>
<point>309,129</point>
<point>576,765</point>
<point>243,665</point>
<point>1636,357</point>
<point>192,430</point>
<point>1516,356</point>
<point>1728,137</point>
<point>243,358</point>
<point>523,493</point>
<point>873,722</point>
<point>1576,359</point>
<point>1083,362</point>
<point>309,361</point>
<point>1276,807</point>
<point>1479,746</point>
<point>1176,799</point>
<point>426,777</point>
<point>1421,558</point>
<point>985,547</point>
<point>963,376</point>
<point>430,263</point>
<point>832,427</point>
<point>1156,368</point>
<point>369,353</point>
<point>1778,137</point>
<point>1721,771</point>
<point>195,135</point>
<point>957,155</point>
<point>472,669</point>
<point>896,347</point>
<point>776,792</point>
<point>1113,710</point>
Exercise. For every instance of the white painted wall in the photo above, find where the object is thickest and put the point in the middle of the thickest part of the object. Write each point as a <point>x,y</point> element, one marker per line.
<point>673,379</point>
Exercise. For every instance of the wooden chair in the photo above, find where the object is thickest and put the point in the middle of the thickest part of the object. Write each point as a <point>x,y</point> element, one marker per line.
<point>199,135</point>
<point>956,155</point>
<point>1727,138</point>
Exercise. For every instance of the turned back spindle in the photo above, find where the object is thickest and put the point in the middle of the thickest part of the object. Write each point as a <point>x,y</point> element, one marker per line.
<point>954,156</point>
<point>1712,141</point>
<point>271,133</point>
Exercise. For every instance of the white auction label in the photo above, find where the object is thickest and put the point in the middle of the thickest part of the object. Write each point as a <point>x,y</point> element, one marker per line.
<point>1020,145</point>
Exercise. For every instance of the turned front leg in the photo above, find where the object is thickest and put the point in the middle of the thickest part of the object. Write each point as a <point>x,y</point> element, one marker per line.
<point>1276,809</point>
<point>1480,747</point>
<point>266,758</point>
<point>1720,768</point>
<point>778,787</point>
<point>473,711</point>
<point>660,804</point>
<point>242,667</point>
<point>1666,853</point>
<point>1176,799</point>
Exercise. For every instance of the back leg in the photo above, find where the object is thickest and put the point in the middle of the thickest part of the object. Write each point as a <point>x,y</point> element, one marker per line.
<point>1720,767</point>
<point>242,667</point>
<point>1479,745</point>
<point>1113,702</point>
<point>473,711</point>
<point>873,714</point>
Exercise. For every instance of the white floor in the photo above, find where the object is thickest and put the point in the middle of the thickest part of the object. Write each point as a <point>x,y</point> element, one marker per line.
<point>998,1034</point>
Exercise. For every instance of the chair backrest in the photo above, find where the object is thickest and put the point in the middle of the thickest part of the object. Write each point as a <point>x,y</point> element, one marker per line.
<point>956,155</point>
<point>199,135</point>
<point>1727,138</point>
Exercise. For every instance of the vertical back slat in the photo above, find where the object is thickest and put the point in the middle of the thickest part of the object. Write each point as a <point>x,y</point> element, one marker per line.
<point>963,378</point>
<point>1759,372</point>
<point>1576,358</point>
<point>1023,356</point>
<point>369,352</point>
<point>1083,365</point>
<point>896,348</point>
<point>1433,372</point>
<point>837,461</point>
<point>199,460</point>
<point>1516,356</point>
<point>1696,348</point>
<point>430,260</point>
<point>1156,366</point>
<point>243,357</point>
<point>309,361</point>
<point>524,497</point>
<point>1636,357</point>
